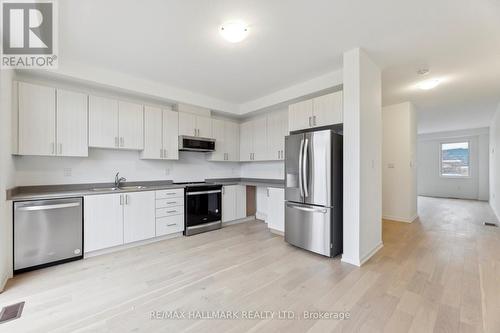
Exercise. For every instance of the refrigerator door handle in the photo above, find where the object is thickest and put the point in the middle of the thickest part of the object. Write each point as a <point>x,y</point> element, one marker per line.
<point>304,169</point>
<point>301,151</point>
<point>307,208</point>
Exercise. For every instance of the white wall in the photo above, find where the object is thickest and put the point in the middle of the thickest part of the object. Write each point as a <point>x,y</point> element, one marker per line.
<point>399,148</point>
<point>495,163</point>
<point>362,157</point>
<point>273,170</point>
<point>6,176</point>
<point>102,164</point>
<point>430,183</point>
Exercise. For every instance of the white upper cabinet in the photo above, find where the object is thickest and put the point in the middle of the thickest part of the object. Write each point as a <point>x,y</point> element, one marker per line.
<point>103,122</point>
<point>187,124</point>
<point>51,123</point>
<point>194,125</point>
<point>37,120</point>
<point>227,137</point>
<point>327,109</point>
<point>300,115</point>
<point>260,139</point>
<point>232,141</point>
<point>160,134</point>
<point>115,124</point>
<point>220,144</point>
<point>72,126</point>
<point>170,135</point>
<point>277,129</point>
<point>324,110</point>
<point>153,133</point>
<point>130,125</point>
<point>204,126</point>
<point>254,140</point>
<point>246,141</point>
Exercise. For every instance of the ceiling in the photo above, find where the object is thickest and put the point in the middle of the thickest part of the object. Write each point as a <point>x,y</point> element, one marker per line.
<point>176,43</point>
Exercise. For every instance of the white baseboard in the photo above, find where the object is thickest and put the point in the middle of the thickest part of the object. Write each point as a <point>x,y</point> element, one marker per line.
<point>130,245</point>
<point>260,216</point>
<point>245,219</point>
<point>400,219</point>
<point>372,253</point>
<point>6,276</point>
<point>277,232</point>
<point>364,259</point>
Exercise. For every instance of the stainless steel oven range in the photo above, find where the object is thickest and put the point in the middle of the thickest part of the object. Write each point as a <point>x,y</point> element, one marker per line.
<point>203,208</point>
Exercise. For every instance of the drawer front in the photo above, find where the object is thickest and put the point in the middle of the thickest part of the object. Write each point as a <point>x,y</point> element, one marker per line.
<point>170,202</point>
<point>169,225</point>
<point>169,211</point>
<point>168,194</point>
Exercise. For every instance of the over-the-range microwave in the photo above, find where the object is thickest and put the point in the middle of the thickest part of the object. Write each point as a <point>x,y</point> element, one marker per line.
<point>194,143</point>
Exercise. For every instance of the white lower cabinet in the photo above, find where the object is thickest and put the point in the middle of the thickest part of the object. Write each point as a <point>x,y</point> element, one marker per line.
<point>169,211</point>
<point>138,216</point>
<point>169,225</point>
<point>234,206</point>
<point>103,221</point>
<point>276,209</point>
<point>117,219</point>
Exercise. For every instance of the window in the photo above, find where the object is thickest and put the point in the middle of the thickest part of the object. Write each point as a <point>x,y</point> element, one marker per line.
<point>455,159</point>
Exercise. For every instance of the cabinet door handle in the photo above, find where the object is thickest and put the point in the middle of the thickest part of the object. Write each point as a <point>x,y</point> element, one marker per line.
<point>52,148</point>
<point>122,141</point>
<point>309,121</point>
<point>171,211</point>
<point>171,224</point>
<point>126,199</point>
<point>165,153</point>
<point>60,148</point>
<point>161,153</point>
<point>314,120</point>
<point>116,141</point>
<point>121,199</point>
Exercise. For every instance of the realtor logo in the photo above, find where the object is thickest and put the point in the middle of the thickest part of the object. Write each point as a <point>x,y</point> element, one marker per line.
<point>29,34</point>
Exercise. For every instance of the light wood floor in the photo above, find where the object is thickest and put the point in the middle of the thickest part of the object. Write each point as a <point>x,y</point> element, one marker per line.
<point>439,274</point>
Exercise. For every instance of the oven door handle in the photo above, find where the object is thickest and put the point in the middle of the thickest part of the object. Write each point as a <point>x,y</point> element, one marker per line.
<point>203,192</point>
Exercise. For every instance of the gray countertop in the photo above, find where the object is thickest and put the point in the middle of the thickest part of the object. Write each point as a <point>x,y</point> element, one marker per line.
<point>78,190</point>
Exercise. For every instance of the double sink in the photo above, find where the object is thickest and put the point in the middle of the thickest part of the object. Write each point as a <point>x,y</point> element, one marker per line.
<point>121,188</point>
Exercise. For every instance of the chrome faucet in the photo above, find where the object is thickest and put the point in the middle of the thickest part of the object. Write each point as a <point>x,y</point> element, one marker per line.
<point>119,179</point>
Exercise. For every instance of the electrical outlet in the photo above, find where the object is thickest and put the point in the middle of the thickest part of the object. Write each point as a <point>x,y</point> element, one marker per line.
<point>67,172</point>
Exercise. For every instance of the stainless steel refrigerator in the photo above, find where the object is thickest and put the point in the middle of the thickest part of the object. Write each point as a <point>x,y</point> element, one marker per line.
<point>313,191</point>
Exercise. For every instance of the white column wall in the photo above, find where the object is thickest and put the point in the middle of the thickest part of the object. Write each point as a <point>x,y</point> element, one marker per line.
<point>399,200</point>
<point>362,158</point>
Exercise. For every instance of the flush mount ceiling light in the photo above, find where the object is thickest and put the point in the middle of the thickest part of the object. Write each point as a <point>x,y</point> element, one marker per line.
<point>234,32</point>
<point>429,84</point>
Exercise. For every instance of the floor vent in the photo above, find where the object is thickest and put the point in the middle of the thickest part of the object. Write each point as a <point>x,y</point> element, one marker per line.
<point>490,224</point>
<point>11,312</point>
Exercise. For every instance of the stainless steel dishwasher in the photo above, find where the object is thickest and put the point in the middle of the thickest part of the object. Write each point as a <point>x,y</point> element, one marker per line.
<point>47,232</point>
